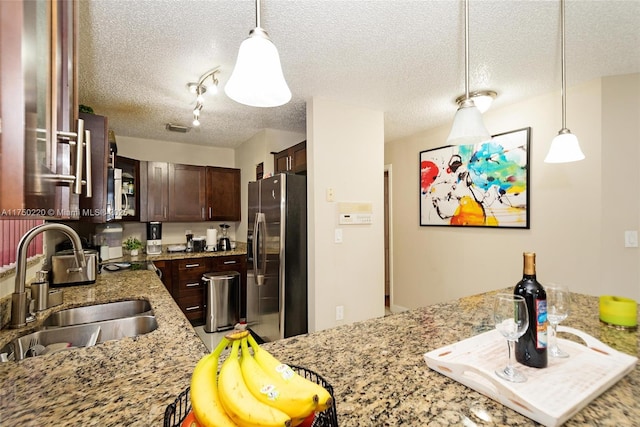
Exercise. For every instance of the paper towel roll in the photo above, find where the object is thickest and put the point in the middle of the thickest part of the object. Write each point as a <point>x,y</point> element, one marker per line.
<point>212,238</point>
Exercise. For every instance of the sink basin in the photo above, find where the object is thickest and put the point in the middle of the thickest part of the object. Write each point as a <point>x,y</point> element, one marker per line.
<point>126,327</point>
<point>76,336</point>
<point>97,313</point>
<point>51,340</point>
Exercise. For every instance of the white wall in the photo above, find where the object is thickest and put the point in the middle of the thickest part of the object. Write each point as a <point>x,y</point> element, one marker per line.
<point>345,152</point>
<point>572,230</point>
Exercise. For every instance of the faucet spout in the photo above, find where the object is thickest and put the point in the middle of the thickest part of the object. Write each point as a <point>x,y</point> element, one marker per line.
<point>19,303</point>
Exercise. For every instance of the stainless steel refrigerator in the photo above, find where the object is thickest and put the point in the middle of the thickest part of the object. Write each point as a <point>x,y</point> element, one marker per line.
<point>277,257</point>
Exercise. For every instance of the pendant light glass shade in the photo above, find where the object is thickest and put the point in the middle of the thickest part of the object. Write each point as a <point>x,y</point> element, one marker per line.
<point>257,78</point>
<point>564,148</point>
<point>468,127</point>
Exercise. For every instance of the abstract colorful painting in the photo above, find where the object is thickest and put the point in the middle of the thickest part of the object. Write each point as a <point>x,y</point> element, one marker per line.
<point>480,185</point>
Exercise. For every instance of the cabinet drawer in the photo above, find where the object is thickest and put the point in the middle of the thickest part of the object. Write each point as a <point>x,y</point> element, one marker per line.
<point>192,307</point>
<point>231,262</point>
<point>197,264</point>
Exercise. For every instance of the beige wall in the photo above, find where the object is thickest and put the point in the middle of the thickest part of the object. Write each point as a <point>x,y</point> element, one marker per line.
<point>620,266</point>
<point>576,238</point>
<point>345,152</point>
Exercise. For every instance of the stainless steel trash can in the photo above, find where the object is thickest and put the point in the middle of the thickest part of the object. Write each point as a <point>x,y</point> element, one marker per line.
<point>223,302</point>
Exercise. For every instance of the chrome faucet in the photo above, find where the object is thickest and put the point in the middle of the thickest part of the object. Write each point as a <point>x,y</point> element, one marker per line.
<point>19,301</point>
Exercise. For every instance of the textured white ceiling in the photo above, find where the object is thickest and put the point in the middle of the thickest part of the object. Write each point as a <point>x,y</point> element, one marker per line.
<point>405,58</point>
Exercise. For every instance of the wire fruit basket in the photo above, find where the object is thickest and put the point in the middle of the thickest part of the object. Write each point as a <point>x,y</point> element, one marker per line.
<point>177,411</point>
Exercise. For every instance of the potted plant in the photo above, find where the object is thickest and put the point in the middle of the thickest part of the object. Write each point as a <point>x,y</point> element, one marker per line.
<point>133,245</point>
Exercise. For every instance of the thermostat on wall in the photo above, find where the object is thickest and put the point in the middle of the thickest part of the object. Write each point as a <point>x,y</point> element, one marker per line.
<point>355,213</point>
<point>358,218</point>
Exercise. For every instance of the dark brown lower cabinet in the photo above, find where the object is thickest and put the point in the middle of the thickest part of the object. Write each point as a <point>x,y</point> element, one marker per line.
<point>183,279</point>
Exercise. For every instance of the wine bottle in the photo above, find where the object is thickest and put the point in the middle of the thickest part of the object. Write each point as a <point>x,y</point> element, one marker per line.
<point>531,348</point>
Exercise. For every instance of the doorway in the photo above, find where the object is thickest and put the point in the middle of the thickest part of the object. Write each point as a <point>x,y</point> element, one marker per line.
<point>388,260</point>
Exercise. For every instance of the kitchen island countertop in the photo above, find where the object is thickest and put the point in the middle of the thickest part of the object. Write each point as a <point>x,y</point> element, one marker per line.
<point>376,367</point>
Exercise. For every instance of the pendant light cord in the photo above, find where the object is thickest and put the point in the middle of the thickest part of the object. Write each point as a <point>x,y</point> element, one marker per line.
<point>563,71</point>
<point>257,13</point>
<point>466,49</point>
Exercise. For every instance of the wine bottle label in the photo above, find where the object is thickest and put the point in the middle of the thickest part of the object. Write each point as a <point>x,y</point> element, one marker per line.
<point>541,323</point>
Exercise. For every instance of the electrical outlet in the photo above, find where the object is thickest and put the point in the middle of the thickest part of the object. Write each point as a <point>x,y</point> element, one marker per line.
<point>340,312</point>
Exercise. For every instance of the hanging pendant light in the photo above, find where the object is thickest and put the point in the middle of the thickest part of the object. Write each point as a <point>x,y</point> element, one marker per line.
<point>564,147</point>
<point>257,78</point>
<point>468,127</point>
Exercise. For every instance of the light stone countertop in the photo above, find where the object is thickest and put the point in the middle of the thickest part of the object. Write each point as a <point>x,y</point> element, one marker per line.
<point>376,368</point>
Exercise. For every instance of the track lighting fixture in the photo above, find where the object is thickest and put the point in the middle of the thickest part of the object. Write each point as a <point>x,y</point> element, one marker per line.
<point>208,82</point>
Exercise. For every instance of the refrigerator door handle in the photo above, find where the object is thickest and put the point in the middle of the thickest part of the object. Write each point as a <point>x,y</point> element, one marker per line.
<point>258,243</point>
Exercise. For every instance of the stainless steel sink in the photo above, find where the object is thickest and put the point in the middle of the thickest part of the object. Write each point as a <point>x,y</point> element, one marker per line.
<point>97,313</point>
<point>50,340</point>
<point>68,337</point>
<point>126,327</point>
<point>83,327</point>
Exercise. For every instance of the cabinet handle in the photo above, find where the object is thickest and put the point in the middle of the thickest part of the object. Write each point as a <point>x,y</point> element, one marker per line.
<point>193,285</point>
<point>87,146</point>
<point>79,161</point>
<point>192,265</point>
<point>209,212</point>
<point>290,163</point>
<point>229,262</point>
<point>203,217</point>
<point>195,307</point>
<point>164,210</point>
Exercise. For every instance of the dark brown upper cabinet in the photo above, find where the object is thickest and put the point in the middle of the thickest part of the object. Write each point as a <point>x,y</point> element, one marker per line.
<point>223,194</point>
<point>291,160</point>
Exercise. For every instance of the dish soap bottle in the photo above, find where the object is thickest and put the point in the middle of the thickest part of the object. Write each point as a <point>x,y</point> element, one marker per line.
<point>531,348</point>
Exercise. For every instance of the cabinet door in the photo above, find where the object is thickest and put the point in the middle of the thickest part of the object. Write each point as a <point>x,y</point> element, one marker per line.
<point>299,158</point>
<point>38,106</point>
<point>281,162</point>
<point>130,188</point>
<point>94,209</point>
<point>223,194</point>
<point>291,160</point>
<point>157,191</point>
<point>187,192</point>
<point>165,267</point>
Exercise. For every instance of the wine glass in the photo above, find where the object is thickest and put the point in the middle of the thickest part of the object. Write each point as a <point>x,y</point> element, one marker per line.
<point>511,320</point>
<point>558,302</point>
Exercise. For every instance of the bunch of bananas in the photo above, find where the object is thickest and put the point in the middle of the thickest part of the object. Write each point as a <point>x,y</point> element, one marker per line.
<point>252,390</point>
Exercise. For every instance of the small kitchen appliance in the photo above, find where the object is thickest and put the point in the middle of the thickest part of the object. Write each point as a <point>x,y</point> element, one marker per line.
<point>154,238</point>
<point>212,239</point>
<point>224,244</point>
<point>198,244</point>
<point>65,273</point>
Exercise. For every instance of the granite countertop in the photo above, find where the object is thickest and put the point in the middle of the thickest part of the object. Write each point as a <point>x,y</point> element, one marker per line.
<point>380,377</point>
<point>117,383</point>
<point>376,367</point>
<point>241,249</point>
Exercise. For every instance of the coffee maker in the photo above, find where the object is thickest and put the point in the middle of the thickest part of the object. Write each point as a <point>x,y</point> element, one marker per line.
<point>154,238</point>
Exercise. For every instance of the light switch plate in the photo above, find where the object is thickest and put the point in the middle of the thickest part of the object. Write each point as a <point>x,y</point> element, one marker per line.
<point>338,235</point>
<point>631,239</point>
